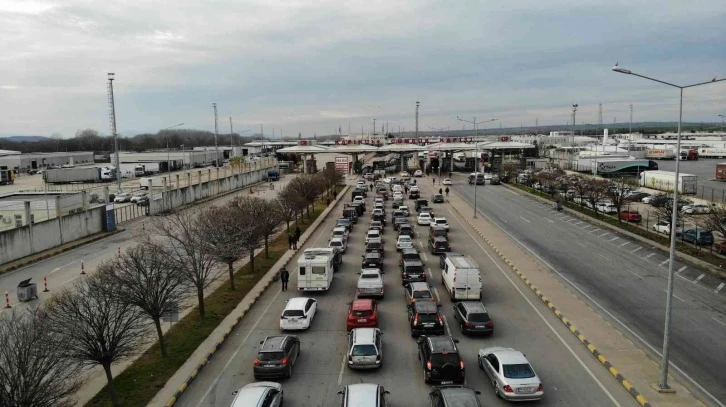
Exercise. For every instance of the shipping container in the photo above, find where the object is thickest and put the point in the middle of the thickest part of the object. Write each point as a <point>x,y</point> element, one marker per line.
<point>665,181</point>
<point>660,153</point>
<point>721,172</point>
<point>68,175</point>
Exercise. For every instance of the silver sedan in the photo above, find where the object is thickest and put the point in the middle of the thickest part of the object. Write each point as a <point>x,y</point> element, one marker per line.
<point>510,373</point>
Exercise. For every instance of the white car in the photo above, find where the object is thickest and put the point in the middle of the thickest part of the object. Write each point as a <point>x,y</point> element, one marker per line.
<point>370,283</point>
<point>387,180</point>
<point>373,234</point>
<point>424,219</point>
<point>122,197</point>
<point>488,176</point>
<point>696,208</point>
<point>441,222</point>
<point>405,210</point>
<point>418,174</point>
<point>340,243</point>
<point>510,373</point>
<point>135,197</point>
<point>358,198</point>
<point>404,242</point>
<point>662,227</point>
<point>397,188</point>
<point>647,199</point>
<point>378,200</point>
<point>361,183</point>
<point>414,188</point>
<point>340,232</point>
<point>447,181</point>
<point>298,313</point>
<point>404,174</point>
<point>606,207</point>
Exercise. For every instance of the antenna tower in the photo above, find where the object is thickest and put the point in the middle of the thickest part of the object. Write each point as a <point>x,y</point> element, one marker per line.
<point>216,131</point>
<point>417,104</point>
<point>599,118</point>
<point>112,122</point>
<point>231,133</point>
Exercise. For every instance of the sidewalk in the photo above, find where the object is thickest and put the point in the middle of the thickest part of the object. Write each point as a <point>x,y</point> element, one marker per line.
<point>630,365</point>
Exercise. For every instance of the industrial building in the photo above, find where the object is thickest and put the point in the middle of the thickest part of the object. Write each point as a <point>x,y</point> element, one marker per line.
<point>42,207</point>
<point>171,160</point>
<point>26,162</point>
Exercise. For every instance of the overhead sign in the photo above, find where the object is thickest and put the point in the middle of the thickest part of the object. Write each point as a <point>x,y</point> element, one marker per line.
<point>341,164</point>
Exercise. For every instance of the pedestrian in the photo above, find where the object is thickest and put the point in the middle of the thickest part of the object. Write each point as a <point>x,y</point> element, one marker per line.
<point>297,233</point>
<point>294,242</point>
<point>433,180</point>
<point>440,191</point>
<point>290,240</point>
<point>405,190</point>
<point>370,187</point>
<point>284,277</point>
<point>447,191</point>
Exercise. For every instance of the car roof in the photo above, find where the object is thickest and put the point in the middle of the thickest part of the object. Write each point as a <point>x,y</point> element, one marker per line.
<point>458,396</point>
<point>426,307</point>
<point>507,356</point>
<point>372,254</point>
<point>296,303</point>
<point>439,239</point>
<point>363,394</point>
<point>424,214</point>
<point>412,262</point>
<point>362,304</point>
<point>336,239</point>
<point>273,343</point>
<point>365,335</point>
<point>404,237</point>
<point>474,306</point>
<point>419,286</point>
<point>440,344</point>
<point>247,395</point>
<point>409,250</point>
<point>405,225</point>
<point>374,231</point>
<point>339,228</point>
<point>440,218</point>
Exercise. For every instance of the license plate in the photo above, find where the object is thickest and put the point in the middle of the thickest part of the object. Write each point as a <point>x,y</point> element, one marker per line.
<point>447,382</point>
<point>428,325</point>
<point>269,366</point>
<point>525,389</point>
<point>362,320</point>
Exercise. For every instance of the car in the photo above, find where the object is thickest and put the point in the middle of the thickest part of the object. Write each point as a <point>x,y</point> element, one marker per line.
<point>473,318</point>
<point>344,222</point>
<point>138,195</point>
<point>298,313</point>
<point>372,260</point>
<point>649,198</point>
<point>370,283</point>
<point>424,218</point>
<point>447,181</point>
<point>380,218</point>
<point>340,232</point>
<point>419,291</point>
<point>142,201</point>
<point>396,188</point>
<point>373,234</point>
<point>435,231</point>
<point>495,180</point>
<point>441,222</point>
<point>276,357</point>
<point>630,216</point>
<point>421,203</point>
<point>606,207</point>
<point>397,222</point>
<point>258,394</point>
<point>397,201</point>
<point>454,395</point>
<point>404,211</point>
<point>663,227</point>
<point>406,229</point>
<point>362,313</point>
<point>397,214</point>
<point>698,237</point>
<point>364,395</point>
<point>488,176</point>
<point>428,210</point>
<point>438,245</point>
<point>412,271</point>
<point>635,196</point>
<point>376,225</point>
<point>659,201</point>
<point>414,194</point>
<point>510,373</point>
<point>122,198</point>
<point>409,254</point>
<point>425,319</point>
<point>339,243</point>
<point>403,241</point>
<point>440,359</point>
<point>365,348</point>
<point>378,211</point>
<point>375,245</point>
<point>361,183</point>
<point>720,247</point>
<point>404,174</point>
<point>438,198</point>
<point>696,209</point>
<point>418,173</point>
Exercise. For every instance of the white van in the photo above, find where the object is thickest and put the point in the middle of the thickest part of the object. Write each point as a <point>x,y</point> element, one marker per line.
<point>461,277</point>
<point>315,270</point>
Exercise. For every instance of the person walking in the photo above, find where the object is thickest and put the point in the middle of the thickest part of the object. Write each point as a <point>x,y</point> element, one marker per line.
<point>290,241</point>
<point>297,233</point>
<point>294,242</point>
<point>284,277</point>
<point>447,191</point>
<point>433,180</point>
<point>440,191</point>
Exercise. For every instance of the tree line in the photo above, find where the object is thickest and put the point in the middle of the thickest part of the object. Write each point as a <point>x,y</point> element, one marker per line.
<point>109,316</point>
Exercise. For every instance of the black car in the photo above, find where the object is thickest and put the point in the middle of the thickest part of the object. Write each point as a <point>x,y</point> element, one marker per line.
<point>351,213</point>
<point>406,229</point>
<point>372,260</point>
<point>380,218</point>
<point>438,231</point>
<point>375,246</point>
<point>414,194</point>
<point>659,200</point>
<point>440,359</point>
<point>409,254</point>
<point>473,318</point>
<point>636,196</point>
<point>438,198</point>
<point>398,222</point>
<point>356,192</point>
<point>426,209</point>
<point>143,201</point>
<point>438,245</point>
<point>344,222</point>
<point>363,191</point>
<point>495,180</point>
<point>359,209</point>
<point>454,396</point>
<point>276,357</point>
<point>421,203</point>
<point>425,318</point>
<point>397,214</point>
<point>412,270</point>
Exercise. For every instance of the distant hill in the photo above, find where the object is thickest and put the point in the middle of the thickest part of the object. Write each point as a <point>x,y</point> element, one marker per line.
<point>20,139</point>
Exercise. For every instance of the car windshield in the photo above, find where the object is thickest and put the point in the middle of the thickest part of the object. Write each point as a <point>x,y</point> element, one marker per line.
<point>362,313</point>
<point>336,243</point>
<point>369,276</point>
<point>293,313</point>
<point>268,356</point>
<point>427,318</point>
<point>443,358</point>
<point>404,239</point>
<point>518,371</point>
<point>414,269</point>
<point>422,294</point>
<point>411,256</point>
<point>364,350</point>
<point>479,318</point>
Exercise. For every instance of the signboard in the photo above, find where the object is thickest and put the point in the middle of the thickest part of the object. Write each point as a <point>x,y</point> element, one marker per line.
<point>110,219</point>
<point>341,164</point>
<point>504,138</point>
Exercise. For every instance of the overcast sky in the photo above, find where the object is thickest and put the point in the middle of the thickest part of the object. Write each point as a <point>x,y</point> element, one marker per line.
<point>312,66</point>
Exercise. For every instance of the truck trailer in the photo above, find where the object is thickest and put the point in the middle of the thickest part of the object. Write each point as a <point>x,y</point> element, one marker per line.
<point>721,172</point>
<point>712,152</point>
<point>665,181</point>
<point>660,154</point>
<point>69,175</point>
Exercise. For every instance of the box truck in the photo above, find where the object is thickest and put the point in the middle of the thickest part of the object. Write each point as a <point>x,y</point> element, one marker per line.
<point>660,154</point>
<point>68,175</point>
<point>712,152</point>
<point>461,277</point>
<point>665,181</point>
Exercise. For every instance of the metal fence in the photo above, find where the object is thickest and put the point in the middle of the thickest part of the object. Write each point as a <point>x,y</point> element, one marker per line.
<point>129,212</point>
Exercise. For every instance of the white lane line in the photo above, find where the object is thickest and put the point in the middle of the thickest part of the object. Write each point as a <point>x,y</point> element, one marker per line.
<point>636,249</point>
<point>587,226</point>
<point>720,286</point>
<point>678,275</point>
<point>664,262</point>
<point>615,238</point>
<point>68,281</point>
<point>603,257</point>
<point>649,256</point>
<point>633,273</point>
<point>551,221</point>
<point>580,222</point>
<point>420,243</point>
<point>431,275</point>
<point>342,369</point>
<point>594,231</point>
<point>624,244</point>
<point>234,355</point>
<point>717,320</point>
<point>581,244</point>
<point>536,310</point>
<point>698,278</point>
<point>54,270</point>
<point>524,219</point>
<point>674,295</point>
<point>571,219</point>
<point>681,269</point>
<point>606,233</point>
<point>426,259</point>
<point>606,311</point>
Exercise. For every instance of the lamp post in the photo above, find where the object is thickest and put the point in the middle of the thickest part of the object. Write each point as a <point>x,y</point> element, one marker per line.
<point>441,159</point>
<point>476,152</point>
<point>663,385</point>
<point>168,155</point>
<point>722,125</point>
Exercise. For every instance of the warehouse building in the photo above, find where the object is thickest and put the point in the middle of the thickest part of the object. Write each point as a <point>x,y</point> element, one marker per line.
<point>42,207</point>
<point>26,162</point>
<point>174,159</point>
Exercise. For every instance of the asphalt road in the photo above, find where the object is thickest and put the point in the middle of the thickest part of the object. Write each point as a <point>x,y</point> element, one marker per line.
<point>570,374</point>
<point>625,281</point>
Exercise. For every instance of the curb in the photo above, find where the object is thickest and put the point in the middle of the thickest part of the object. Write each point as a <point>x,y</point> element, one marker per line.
<point>599,356</point>
<point>269,277</point>
<point>52,253</point>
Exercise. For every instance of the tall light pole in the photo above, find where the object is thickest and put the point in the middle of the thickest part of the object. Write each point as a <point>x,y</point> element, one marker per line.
<point>722,125</point>
<point>374,128</point>
<point>112,120</point>
<point>168,155</point>
<point>441,159</point>
<point>216,132</point>
<point>476,152</point>
<point>663,385</point>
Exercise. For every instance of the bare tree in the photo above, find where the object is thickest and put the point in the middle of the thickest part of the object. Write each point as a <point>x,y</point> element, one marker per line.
<point>144,278</point>
<point>715,219</point>
<point>182,237</point>
<point>617,192</point>
<point>32,371</point>
<point>247,212</point>
<point>596,191</point>
<point>664,212</point>
<point>332,178</point>
<point>94,327</point>
<point>287,205</point>
<point>226,236</point>
<point>306,186</point>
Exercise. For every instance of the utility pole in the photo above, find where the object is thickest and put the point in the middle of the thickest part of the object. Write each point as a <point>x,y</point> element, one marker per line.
<point>231,133</point>
<point>536,126</point>
<point>417,105</point>
<point>112,120</point>
<point>476,152</point>
<point>630,134</point>
<point>374,128</point>
<point>216,132</point>
<point>599,118</point>
<point>262,132</point>
<point>574,112</point>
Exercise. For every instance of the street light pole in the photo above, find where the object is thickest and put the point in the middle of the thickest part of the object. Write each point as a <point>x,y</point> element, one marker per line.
<point>476,152</point>
<point>168,155</point>
<point>663,385</point>
<point>216,131</point>
<point>722,124</point>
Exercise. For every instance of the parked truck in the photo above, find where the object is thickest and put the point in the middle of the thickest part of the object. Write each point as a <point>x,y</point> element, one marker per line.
<point>660,154</point>
<point>273,175</point>
<point>69,175</point>
<point>689,154</point>
<point>721,172</point>
<point>712,152</point>
<point>665,181</point>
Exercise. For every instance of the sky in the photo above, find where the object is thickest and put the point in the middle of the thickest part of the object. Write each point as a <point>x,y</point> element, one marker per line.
<point>312,67</point>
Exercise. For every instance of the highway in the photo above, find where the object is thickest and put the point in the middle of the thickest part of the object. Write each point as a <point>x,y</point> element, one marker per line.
<point>571,376</point>
<point>625,281</point>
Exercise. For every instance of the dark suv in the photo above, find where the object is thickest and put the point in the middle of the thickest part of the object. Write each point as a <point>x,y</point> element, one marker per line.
<point>438,231</point>
<point>473,318</point>
<point>438,245</point>
<point>375,245</point>
<point>412,270</point>
<point>421,203</point>
<point>407,230</point>
<point>409,253</point>
<point>440,359</point>
<point>276,357</point>
<point>454,395</point>
<point>425,318</point>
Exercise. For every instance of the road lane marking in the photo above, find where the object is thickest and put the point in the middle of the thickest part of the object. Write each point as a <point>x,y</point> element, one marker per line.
<point>624,244</point>
<point>431,275</point>
<point>606,233</point>
<point>720,286</point>
<point>524,219</point>
<point>717,320</point>
<point>674,295</point>
<point>342,369</point>
<point>615,238</point>
<point>681,269</point>
<point>636,249</point>
<point>54,270</point>
<point>581,244</point>
<point>580,222</point>
<point>698,279</point>
<point>549,220</point>
<point>664,262</point>
<point>603,257</point>
<point>424,256</point>
<point>634,273</point>
<point>594,231</point>
<point>587,226</point>
<point>68,281</point>
<point>649,256</point>
<point>234,355</point>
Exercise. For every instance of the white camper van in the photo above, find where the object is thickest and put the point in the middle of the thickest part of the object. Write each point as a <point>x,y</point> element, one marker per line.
<point>461,277</point>
<point>315,269</point>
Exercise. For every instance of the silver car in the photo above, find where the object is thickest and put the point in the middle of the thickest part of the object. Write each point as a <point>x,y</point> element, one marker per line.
<point>370,283</point>
<point>510,373</point>
<point>364,395</point>
<point>257,394</point>
<point>365,348</point>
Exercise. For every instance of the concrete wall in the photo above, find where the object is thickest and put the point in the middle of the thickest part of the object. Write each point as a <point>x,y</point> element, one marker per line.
<point>29,239</point>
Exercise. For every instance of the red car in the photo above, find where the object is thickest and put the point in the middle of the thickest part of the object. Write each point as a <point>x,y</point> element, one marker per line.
<point>631,216</point>
<point>363,313</point>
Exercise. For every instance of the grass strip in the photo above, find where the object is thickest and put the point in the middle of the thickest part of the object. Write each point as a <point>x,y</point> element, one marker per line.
<point>139,383</point>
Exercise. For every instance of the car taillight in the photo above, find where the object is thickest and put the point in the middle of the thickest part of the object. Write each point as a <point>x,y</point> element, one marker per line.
<point>415,320</point>
<point>490,324</point>
<point>468,324</point>
<point>256,362</point>
<point>350,358</point>
<point>461,364</point>
<point>540,387</point>
<point>507,388</point>
<point>405,275</point>
<point>378,358</point>
<point>284,361</point>
<point>428,365</point>
<point>441,320</point>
